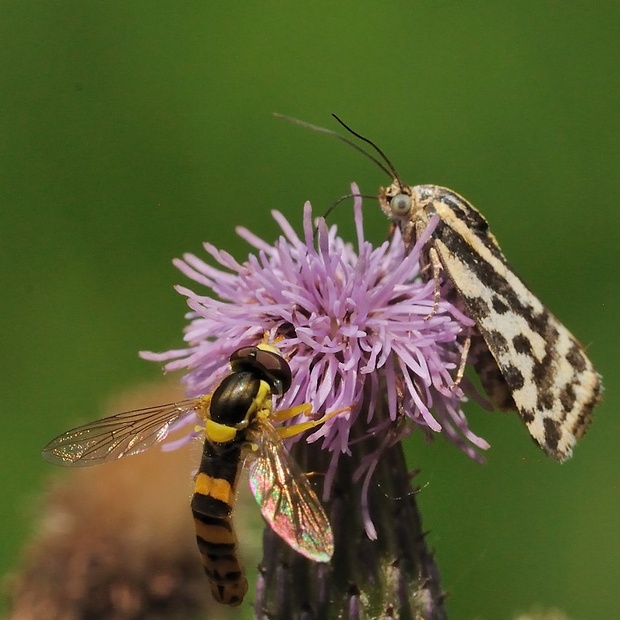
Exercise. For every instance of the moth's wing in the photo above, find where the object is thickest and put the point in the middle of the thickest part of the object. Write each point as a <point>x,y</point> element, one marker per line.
<point>490,375</point>
<point>551,380</point>
<point>287,500</point>
<point>116,436</point>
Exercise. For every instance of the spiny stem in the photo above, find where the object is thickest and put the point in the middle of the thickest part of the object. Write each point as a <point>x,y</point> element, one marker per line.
<point>394,576</point>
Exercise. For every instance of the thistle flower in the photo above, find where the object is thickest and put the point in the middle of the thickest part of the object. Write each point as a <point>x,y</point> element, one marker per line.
<point>360,329</point>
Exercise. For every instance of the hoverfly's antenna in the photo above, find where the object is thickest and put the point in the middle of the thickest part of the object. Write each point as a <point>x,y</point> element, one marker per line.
<point>388,169</point>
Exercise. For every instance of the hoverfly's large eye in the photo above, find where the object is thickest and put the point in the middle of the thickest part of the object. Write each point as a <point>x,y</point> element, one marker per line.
<point>277,370</point>
<point>271,365</point>
<point>401,205</point>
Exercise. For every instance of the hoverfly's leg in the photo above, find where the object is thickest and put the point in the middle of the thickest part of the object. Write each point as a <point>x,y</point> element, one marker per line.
<point>296,429</point>
<point>437,268</point>
<point>461,369</point>
<point>286,414</point>
<point>202,408</point>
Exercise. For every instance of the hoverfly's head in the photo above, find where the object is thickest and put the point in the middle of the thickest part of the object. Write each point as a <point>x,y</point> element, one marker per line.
<point>396,201</point>
<point>268,361</point>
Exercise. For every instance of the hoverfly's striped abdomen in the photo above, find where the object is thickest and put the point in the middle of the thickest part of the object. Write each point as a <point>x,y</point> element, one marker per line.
<point>215,489</point>
<point>212,506</point>
<point>237,416</point>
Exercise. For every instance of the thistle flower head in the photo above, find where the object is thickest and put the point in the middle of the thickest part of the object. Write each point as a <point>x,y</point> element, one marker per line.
<point>355,324</point>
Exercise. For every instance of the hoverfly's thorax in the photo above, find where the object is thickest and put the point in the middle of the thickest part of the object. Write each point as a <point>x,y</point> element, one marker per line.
<point>234,399</point>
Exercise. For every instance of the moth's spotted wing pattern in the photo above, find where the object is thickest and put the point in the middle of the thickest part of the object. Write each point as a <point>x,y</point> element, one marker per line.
<point>535,364</point>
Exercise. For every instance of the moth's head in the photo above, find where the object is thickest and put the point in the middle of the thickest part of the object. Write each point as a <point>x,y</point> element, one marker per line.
<point>397,201</point>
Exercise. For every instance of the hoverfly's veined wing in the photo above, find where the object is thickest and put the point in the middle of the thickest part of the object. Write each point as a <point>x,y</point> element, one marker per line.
<point>116,436</point>
<point>287,500</point>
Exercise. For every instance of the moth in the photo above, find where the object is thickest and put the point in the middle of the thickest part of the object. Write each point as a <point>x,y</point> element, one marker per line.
<point>525,358</point>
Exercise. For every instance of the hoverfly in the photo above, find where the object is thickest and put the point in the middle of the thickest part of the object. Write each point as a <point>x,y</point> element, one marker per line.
<point>239,427</point>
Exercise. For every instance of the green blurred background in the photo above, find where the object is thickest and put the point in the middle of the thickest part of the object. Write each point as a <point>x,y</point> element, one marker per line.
<point>134,131</point>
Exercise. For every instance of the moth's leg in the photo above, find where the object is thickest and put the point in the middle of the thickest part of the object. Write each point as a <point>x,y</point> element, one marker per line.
<point>393,227</point>
<point>461,369</point>
<point>410,231</point>
<point>436,267</point>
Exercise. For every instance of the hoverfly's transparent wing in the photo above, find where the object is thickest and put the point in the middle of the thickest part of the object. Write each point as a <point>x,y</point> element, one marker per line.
<point>287,500</point>
<point>116,436</point>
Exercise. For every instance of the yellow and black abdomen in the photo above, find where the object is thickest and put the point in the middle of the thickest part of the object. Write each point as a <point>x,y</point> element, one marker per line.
<point>214,494</point>
<point>212,506</point>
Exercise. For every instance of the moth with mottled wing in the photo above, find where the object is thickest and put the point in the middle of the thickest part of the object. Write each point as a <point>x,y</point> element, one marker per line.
<point>536,366</point>
<point>525,358</point>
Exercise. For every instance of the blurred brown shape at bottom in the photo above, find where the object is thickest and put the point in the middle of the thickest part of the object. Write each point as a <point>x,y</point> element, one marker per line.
<point>116,541</point>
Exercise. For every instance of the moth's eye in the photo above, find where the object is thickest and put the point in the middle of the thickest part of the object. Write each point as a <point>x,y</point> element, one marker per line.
<point>401,204</point>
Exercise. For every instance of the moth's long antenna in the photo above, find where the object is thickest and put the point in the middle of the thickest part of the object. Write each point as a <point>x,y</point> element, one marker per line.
<point>335,204</point>
<point>329,210</point>
<point>385,158</point>
<point>342,199</point>
<point>389,169</point>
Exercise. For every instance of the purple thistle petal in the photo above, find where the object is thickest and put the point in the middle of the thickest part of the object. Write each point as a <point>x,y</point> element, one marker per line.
<point>354,326</point>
